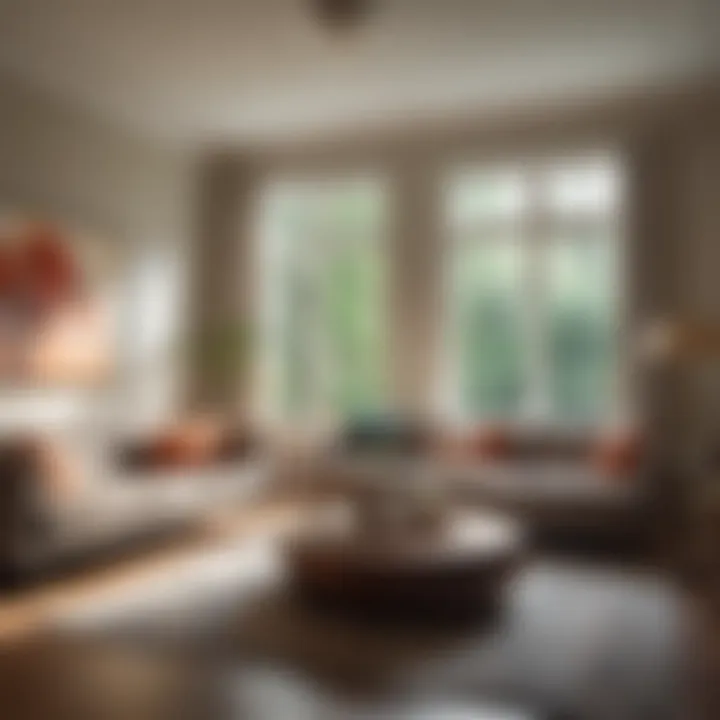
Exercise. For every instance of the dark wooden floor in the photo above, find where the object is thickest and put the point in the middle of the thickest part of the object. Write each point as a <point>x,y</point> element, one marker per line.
<point>575,641</point>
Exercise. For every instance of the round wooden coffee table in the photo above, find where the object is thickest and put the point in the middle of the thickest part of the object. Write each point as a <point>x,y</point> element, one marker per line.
<point>455,570</point>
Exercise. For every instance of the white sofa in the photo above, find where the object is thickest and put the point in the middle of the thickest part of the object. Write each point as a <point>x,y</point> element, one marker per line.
<point>562,495</point>
<point>115,507</point>
<point>551,483</point>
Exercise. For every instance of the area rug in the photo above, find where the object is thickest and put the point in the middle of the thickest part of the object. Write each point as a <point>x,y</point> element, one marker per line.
<point>572,641</point>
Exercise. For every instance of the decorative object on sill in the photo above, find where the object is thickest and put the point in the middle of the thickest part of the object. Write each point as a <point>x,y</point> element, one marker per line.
<point>198,441</point>
<point>618,453</point>
<point>490,442</point>
<point>385,434</point>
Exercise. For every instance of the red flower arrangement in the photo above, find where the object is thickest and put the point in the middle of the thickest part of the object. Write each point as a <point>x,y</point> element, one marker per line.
<point>38,271</point>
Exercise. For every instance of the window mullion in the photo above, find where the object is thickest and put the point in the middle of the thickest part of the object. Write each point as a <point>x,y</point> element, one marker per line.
<point>534,239</point>
<point>319,350</point>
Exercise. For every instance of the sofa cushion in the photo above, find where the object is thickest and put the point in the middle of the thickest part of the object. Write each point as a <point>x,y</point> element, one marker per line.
<point>492,442</point>
<point>114,508</point>
<point>572,490</point>
<point>618,454</point>
<point>191,443</point>
<point>200,442</point>
<point>385,434</point>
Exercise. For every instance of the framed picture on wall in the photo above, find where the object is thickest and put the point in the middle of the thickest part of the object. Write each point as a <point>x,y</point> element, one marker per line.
<point>58,296</point>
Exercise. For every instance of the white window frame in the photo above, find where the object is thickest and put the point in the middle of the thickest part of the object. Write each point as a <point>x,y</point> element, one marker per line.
<point>534,227</point>
<point>265,401</point>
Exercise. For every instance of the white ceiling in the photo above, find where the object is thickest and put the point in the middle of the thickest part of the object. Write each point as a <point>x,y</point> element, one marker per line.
<point>194,70</point>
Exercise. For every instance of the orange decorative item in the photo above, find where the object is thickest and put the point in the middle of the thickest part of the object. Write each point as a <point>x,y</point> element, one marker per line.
<point>203,436</point>
<point>193,443</point>
<point>491,442</point>
<point>169,450</point>
<point>618,454</point>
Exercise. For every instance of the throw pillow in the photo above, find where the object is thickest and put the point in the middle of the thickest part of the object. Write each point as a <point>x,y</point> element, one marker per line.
<point>618,454</point>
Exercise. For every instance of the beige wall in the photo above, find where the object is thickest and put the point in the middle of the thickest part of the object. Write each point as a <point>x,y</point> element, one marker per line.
<point>60,162</point>
<point>695,271</point>
<point>222,279</point>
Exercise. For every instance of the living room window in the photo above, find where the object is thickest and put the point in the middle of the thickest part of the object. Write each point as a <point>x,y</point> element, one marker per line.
<point>323,294</point>
<point>534,290</point>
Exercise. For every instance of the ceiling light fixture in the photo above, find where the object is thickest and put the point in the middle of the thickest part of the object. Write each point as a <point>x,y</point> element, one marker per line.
<point>341,15</point>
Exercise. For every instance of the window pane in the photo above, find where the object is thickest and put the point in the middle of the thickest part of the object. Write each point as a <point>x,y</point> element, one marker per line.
<point>487,288</point>
<point>352,317</point>
<point>324,299</point>
<point>581,317</point>
<point>588,187</point>
<point>534,283</point>
<point>486,196</point>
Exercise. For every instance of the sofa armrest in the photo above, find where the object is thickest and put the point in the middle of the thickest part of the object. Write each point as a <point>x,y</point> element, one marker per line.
<point>26,522</point>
